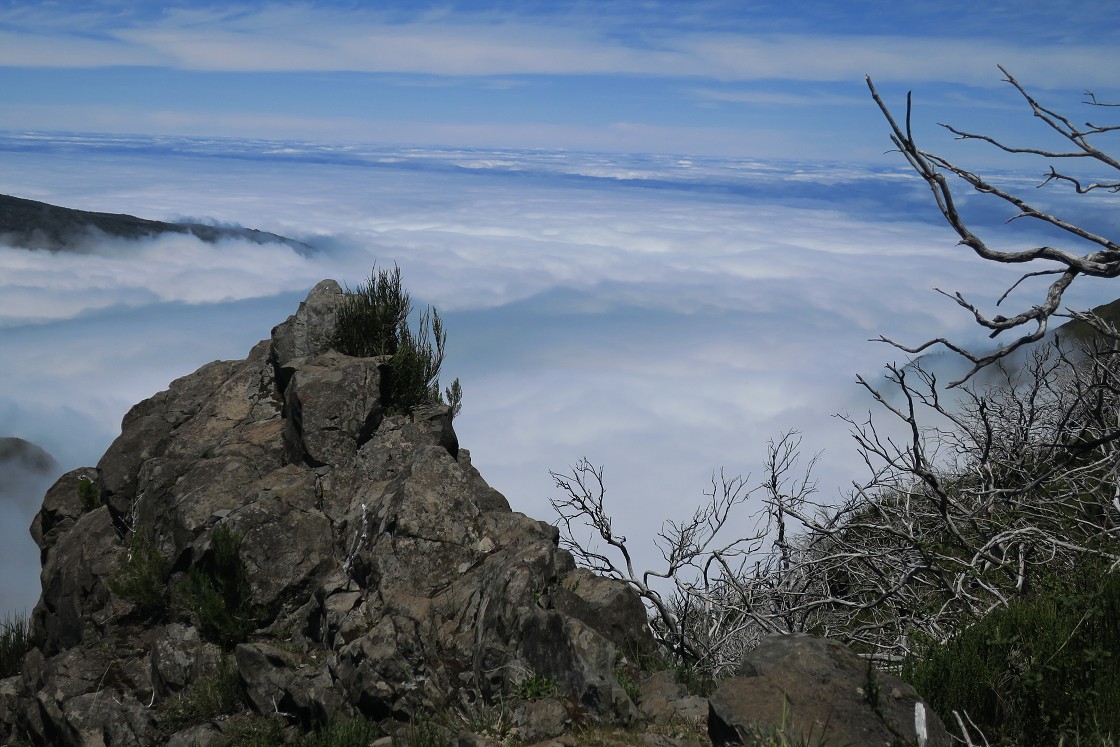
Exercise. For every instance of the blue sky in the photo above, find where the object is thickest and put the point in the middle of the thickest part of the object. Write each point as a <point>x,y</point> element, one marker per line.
<point>660,233</point>
<point>716,78</point>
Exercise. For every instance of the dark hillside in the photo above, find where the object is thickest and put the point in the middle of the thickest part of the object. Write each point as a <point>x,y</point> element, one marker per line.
<point>38,225</point>
<point>1077,330</point>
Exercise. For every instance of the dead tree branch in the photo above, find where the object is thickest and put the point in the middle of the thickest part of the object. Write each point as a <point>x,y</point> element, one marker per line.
<point>1101,259</point>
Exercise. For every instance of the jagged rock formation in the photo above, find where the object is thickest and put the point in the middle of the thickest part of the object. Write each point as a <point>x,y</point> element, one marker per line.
<point>31,224</point>
<point>386,577</point>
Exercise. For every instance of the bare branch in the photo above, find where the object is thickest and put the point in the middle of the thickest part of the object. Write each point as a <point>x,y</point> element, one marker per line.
<point>1103,262</point>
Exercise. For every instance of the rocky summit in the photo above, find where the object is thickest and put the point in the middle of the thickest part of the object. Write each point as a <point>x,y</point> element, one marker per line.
<point>268,549</point>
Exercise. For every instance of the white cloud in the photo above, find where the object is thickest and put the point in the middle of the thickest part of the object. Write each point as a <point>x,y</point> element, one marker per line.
<point>663,316</point>
<point>42,285</point>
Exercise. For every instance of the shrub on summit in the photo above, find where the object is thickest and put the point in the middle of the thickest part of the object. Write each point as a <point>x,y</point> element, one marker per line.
<point>373,321</point>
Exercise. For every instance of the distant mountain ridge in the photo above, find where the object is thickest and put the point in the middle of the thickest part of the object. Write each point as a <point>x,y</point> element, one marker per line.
<point>30,224</point>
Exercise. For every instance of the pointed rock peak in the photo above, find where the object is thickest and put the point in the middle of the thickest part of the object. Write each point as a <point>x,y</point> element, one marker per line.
<point>309,330</point>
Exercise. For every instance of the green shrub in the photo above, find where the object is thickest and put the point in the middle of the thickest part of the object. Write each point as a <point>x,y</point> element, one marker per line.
<point>218,594</point>
<point>370,317</point>
<point>534,687</point>
<point>142,577</point>
<point>1041,669</point>
<point>373,321</point>
<point>89,493</point>
<point>15,641</point>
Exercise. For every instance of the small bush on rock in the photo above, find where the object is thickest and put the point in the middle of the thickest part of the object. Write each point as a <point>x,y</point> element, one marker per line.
<point>218,594</point>
<point>89,493</point>
<point>373,321</point>
<point>535,687</point>
<point>142,577</point>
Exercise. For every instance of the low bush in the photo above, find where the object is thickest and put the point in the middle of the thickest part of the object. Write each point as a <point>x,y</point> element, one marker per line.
<point>218,594</point>
<point>89,493</point>
<point>534,687</point>
<point>142,577</point>
<point>373,321</point>
<point>1040,670</point>
<point>254,730</point>
<point>422,732</point>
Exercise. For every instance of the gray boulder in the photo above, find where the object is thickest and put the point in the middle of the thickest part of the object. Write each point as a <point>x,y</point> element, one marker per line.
<point>816,689</point>
<point>179,657</point>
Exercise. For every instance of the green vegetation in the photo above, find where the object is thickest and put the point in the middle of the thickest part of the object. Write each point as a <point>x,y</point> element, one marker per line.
<point>217,591</point>
<point>254,730</point>
<point>15,641</point>
<point>1077,330</point>
<point>695,680</point>
<point>373,321</point>
<point>534,687</point>
<point>356,732</point>
<point>421,732</point>
<point>89,493</point>
<point>216,694</point>
<point>628,678</point>
<point>1039,670</point>
<point>220,694</point>
<point>142,577</point>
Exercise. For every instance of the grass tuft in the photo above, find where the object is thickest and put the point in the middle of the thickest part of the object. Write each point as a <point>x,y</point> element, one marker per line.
<point>15,642</point>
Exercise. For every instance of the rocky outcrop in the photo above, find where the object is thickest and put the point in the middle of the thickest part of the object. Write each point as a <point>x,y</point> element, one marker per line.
<point>820,691</point>
<point>384,577</point>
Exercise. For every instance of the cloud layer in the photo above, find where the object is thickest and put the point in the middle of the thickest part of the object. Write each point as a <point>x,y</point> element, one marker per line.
<point>664,316</point>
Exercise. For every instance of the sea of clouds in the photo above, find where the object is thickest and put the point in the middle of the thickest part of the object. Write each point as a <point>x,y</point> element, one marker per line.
<point>664,316</point>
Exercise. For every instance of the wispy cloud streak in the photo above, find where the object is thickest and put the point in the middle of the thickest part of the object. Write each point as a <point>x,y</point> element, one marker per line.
<point>295,37</point>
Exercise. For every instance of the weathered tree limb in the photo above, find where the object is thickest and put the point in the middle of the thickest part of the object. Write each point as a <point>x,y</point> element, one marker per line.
<point>1102,262</point>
